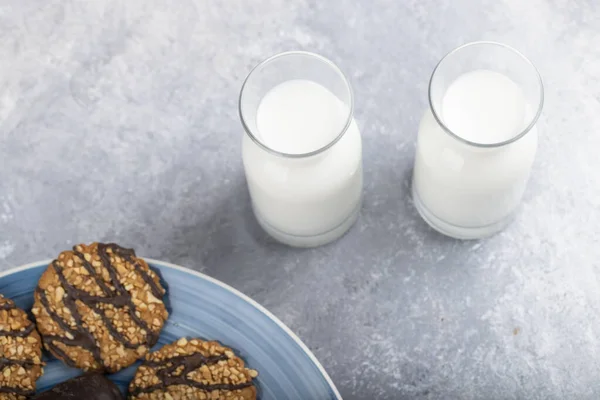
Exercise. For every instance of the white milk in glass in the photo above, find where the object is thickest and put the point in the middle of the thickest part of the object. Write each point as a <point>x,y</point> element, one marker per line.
<point>312,200</point>
<point>458,185</point>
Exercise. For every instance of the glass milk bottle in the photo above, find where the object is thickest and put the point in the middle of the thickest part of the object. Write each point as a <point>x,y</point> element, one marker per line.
<point>302,149</point>
<point>478,140</point>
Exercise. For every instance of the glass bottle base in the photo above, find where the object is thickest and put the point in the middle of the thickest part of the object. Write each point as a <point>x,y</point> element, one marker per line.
<point>454,231</point>
<point>310,241</point>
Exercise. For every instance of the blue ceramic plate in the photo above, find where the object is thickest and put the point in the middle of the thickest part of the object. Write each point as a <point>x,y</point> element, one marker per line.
<point>204,307</point>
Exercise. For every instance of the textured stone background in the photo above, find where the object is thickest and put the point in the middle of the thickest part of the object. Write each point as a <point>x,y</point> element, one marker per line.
<point>118,121</point>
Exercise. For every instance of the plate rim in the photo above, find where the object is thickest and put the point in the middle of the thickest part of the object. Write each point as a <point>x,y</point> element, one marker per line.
<point>223,285</point>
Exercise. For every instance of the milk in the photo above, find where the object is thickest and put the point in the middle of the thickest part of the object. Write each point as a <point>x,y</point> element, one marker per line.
<point>306,201</point>
<point>467,191</point>
<point>484,107</point>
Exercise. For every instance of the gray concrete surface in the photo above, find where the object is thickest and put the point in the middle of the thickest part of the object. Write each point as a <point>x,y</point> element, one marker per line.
<point>118,121</point>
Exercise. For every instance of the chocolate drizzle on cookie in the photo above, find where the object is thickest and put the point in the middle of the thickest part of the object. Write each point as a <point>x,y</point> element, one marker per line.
<point>5,362</point>
<point>117,296</point>
<point>9,305</point>
<point>23,333</point>
<point>79,336</point>
<point>17,391</point>
<point>167,373</point>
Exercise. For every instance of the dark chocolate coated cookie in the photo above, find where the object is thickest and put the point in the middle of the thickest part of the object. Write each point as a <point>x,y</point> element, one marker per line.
<point>90,386</point>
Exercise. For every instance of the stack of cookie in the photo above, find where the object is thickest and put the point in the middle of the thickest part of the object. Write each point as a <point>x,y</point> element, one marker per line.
<point>100,308</point>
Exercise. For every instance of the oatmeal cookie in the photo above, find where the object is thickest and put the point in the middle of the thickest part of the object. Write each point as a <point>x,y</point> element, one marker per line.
<point>193,369</point>
<point>20,352</point>
<point>99,307</point>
